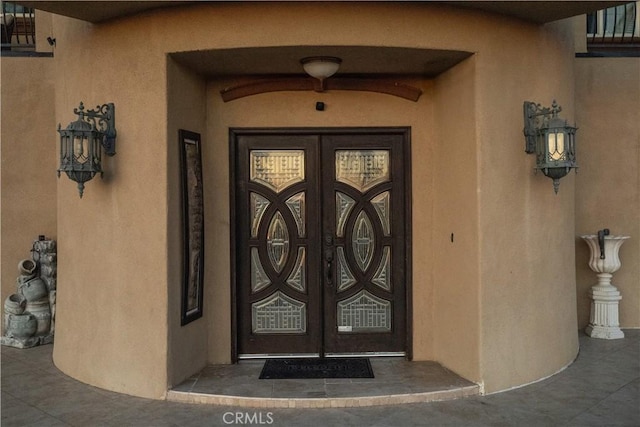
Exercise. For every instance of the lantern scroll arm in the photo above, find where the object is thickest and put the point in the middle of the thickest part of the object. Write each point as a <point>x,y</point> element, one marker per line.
<point>532,122</point>
<point>104,119</point>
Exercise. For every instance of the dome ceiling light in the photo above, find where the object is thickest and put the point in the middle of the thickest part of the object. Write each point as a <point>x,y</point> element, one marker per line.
<point>321,67</point>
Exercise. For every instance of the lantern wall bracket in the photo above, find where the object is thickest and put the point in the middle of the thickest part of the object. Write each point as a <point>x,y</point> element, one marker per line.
<point>103,118</point>
<point>534,116</point>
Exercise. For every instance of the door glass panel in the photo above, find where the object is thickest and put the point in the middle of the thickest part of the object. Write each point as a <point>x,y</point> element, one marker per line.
<point>279,314</point>
<point>382,205</point>
<point>278,242</point>
<point>345,277</point>
<point>364,312</point>
<point>296,206</point>
<point>258,205</point>
<point>277,169</point>
<point>344,205</point>
<point>362,169</point>
<point>382,277</point>
<point>363,241</point>
<point>259,279</point>
<point>298,278</point>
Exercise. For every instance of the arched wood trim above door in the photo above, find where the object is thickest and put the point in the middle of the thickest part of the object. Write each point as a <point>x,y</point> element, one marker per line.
<point>386,86</point>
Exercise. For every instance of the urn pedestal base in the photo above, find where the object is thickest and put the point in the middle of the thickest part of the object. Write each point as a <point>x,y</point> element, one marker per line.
<point>605,298</point>
<point>603,322</point>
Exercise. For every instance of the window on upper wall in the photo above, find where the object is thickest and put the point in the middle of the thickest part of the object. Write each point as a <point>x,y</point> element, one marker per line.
<point>614,31</point>
<point>17,28</point>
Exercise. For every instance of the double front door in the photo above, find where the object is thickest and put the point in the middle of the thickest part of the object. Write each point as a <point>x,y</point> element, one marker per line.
<point>321,233</point>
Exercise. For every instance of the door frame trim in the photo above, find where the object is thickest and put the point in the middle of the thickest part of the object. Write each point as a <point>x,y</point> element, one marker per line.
<point>405,131</point>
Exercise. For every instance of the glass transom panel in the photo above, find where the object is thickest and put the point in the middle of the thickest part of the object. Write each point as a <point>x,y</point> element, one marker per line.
<point>276,169</point>
<point>362,169</point>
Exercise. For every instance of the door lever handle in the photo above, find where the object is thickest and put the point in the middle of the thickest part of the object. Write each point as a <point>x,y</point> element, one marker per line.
<point>328,256</point>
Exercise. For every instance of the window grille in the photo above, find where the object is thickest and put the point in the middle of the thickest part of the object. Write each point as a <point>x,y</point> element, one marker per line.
<point>18,29</point>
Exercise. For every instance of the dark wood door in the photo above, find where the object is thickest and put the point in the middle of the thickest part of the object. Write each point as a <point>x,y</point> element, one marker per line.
<point>321,241</point>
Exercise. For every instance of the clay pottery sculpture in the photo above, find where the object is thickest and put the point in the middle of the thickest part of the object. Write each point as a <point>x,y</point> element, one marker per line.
<point>42,312</point>
<point>15,304</point>
<point>27,267</point>
<point>21,325</point>
<point>33,289</point>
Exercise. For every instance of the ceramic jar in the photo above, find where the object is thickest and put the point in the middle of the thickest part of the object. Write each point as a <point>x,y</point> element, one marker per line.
<point>27,267</point>
<point>15,304</point>
<point>41,310</point>
<point>21,325</point>
<point>33,289</point>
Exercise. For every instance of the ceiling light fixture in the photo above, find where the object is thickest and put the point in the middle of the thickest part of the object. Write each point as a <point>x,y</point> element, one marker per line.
<point>321,67</point>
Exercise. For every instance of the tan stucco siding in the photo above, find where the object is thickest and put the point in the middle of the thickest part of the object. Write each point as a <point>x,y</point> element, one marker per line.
<point>112,271</point>
<point>453,320</point>
<point>28,169</point>
<point>526,231</point>
<point>186,109</point>
<point>608,183</point>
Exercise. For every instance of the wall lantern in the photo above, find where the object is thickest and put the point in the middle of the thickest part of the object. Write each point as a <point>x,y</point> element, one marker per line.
<point>80,151</point>
<point>321,67</point>
<point>551,138</point>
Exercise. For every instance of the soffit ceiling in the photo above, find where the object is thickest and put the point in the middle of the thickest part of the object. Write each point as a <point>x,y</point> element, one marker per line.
<point>533,11</point>
<point>285,60</point>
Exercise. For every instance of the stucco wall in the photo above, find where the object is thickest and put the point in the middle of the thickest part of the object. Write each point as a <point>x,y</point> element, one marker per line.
<point>28,169</point>
<point>608,182</point>
<point>186,109</point>
<point>112,272</point>
<point>453,244</point>
<point>120,251</point>
<point>526,242</point>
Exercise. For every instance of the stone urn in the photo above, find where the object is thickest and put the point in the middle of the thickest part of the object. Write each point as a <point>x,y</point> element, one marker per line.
<point>21,326</point>
<point>604,261</point>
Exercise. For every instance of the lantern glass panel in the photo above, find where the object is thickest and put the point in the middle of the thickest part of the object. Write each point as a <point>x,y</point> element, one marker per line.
<point>80,148</point>
<point>96,153</point>
<point>555,146</point>
<point>65,149</point>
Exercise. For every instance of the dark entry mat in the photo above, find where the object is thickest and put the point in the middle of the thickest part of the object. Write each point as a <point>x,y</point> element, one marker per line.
<point>353,367</point>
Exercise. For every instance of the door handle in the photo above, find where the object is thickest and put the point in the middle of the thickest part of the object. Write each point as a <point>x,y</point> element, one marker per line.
<point>328,257</point>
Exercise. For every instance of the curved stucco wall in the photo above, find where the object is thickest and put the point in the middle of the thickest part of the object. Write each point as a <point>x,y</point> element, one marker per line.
<point>27,196</point>
<point>481,307</point>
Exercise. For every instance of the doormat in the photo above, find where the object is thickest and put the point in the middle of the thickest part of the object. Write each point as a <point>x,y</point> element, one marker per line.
<point>353,367</point>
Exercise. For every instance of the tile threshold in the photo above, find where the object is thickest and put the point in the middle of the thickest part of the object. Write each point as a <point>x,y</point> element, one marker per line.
<point>322,402</point>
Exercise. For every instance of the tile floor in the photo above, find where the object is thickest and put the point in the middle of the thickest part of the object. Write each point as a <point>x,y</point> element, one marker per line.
<point>601,388</point>
<point>396,381</point>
